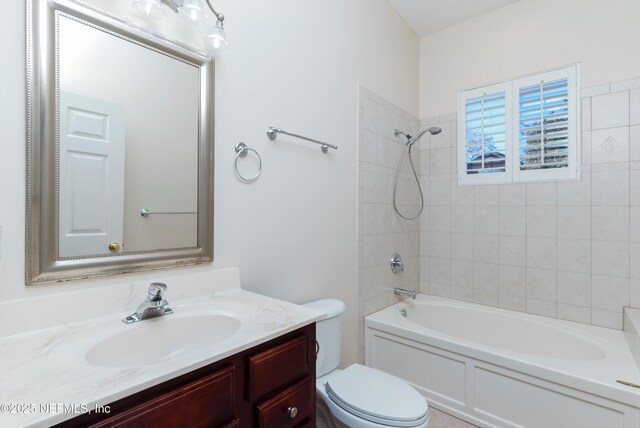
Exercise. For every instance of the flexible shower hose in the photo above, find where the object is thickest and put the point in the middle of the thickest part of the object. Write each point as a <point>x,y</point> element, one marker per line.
<point>395,185</point>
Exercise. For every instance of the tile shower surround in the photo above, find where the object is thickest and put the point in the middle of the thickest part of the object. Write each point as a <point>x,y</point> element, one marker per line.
<point>381,231</point>
<point>565,249</point>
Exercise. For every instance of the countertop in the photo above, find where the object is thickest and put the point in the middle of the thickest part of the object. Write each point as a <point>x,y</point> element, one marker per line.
<point>45,379</point>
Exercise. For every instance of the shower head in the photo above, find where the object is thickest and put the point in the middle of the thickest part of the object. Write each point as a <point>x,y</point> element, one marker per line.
<point>433,130</point>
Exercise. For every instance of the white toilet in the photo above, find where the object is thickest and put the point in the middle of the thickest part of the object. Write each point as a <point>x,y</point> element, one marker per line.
<point>359,396</point>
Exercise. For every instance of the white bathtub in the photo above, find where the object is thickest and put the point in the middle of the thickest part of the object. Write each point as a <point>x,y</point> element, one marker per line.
<point>499,368</point>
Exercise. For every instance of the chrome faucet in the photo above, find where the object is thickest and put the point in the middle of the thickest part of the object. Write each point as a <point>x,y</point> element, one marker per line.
<point>154,306</point>
<point>403,292</point>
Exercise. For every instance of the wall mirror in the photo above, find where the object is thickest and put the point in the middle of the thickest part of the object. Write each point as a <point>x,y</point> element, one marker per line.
<point>120,147</point>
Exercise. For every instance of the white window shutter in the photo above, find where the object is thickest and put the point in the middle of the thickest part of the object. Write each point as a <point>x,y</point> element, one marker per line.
<point>521,130</point>
<point>545,137</point>
<point>484,131</point>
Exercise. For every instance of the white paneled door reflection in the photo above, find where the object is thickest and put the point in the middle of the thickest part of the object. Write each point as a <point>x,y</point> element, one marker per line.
<point>91,153</point>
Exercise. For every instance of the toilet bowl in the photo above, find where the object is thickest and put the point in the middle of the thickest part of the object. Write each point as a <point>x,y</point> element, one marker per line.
<point>362,397</point>
<point>359,396</point>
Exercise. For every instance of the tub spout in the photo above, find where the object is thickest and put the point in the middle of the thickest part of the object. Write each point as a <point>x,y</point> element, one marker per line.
<point>403,292</point>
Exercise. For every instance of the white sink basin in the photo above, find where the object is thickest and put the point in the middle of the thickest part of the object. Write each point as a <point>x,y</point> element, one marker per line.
<point>161,338</point>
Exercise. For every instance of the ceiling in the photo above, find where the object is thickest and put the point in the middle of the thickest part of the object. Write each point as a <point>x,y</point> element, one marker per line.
<point>428,16</point>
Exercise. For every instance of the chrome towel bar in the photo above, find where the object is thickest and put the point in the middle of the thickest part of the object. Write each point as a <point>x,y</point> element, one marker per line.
<point>272,132</point>
<point>146,213</point>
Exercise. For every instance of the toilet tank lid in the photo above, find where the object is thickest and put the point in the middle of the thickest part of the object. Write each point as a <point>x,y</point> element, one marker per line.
<point>333,307</point>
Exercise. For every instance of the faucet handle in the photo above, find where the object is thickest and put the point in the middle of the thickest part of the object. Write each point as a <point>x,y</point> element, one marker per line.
<point>156,289</point>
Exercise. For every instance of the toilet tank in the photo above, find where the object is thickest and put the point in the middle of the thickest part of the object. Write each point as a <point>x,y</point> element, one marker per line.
<point>328,334</point>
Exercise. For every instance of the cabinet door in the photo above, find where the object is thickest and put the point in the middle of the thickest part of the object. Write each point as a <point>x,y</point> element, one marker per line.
<point>207,402</point>
<point>276,367</point>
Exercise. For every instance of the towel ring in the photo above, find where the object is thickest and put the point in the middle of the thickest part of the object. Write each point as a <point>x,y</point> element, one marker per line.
<point>241,151</point>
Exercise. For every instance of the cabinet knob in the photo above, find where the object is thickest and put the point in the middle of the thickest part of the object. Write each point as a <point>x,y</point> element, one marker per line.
<point>114,247</point>
<point>292,412</point>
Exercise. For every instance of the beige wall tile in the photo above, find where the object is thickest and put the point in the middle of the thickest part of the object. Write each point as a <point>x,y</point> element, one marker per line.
<point>574,288</point>
<point>512,280</point>
<point>541,221</point>
<point>541,284</point>
<point>484,196</point>
<point>610,188</point>
<point>610,223</point>
<point>610,110</point>
<point>574,222</point>
<point>574,255</point>
<point>513,221</point>
<point>486,248</point>
<point>542,194</point>
<point>609,292</point>
<point>574,313</point>
<point>486,277</point>
<point>610,145</point>
<point>610,258</point>
<point>513,195</point>
<point>609,319</point>
<point>513,250</point>
<point>486,220</point>
<point>575,192</point>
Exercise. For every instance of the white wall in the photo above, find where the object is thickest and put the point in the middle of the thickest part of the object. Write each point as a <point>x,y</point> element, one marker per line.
<point>526,37</point>
<point>292,64</point>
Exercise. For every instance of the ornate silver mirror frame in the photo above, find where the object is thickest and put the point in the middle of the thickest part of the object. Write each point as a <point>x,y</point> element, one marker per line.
<point>43,263</point>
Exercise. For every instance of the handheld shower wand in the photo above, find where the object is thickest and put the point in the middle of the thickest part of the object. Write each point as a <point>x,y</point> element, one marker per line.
<point>410,142</point>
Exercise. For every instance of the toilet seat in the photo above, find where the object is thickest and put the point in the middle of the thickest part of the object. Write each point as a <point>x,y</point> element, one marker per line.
<point>377,397</point>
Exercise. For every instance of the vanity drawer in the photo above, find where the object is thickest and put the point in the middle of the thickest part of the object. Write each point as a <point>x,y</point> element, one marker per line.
<point>206,402</point>
<point>277,412</point>
<point>277,366</point>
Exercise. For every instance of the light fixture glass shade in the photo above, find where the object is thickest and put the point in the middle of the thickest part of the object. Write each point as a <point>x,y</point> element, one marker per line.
<point>149,9</point>
<point>193,10</point>
<point>216,40</point>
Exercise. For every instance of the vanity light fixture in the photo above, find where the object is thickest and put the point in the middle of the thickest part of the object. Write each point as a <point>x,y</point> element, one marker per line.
<point>193,11</point>
<point>149,9</point>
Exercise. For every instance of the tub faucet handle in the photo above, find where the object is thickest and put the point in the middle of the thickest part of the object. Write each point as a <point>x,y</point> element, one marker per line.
<point>156,291</point>
<point>397,266</point>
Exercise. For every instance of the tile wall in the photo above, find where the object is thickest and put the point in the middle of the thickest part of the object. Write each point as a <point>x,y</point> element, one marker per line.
<point>381,231</point>
<point>569,250</point>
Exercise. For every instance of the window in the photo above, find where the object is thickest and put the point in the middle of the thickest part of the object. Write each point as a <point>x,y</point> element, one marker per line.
<point>520,130</point>
<point>486,125</point>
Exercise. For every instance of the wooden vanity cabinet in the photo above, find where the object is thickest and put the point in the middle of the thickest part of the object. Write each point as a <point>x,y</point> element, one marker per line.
<point>270,371</point>
<point>271,385</point>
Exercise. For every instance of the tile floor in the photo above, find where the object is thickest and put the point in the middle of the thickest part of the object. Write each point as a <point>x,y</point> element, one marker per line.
<point>438,419</point>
